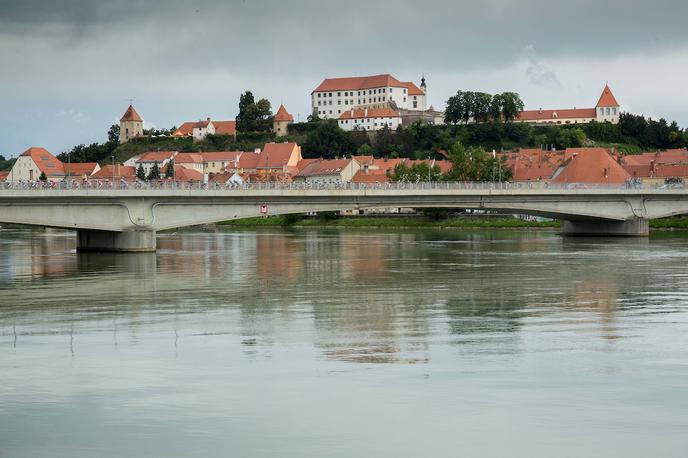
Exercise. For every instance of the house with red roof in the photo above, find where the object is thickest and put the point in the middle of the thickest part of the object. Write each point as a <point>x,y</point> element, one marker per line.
<point>328,171</point>
<point>606,110</point>
<point>116,172</point>
<point>369,119</point>
<point>191,161</point>
<point>279,158</point>
<point>590,165</point>
<point>201,129</point>
<point>148,159</point>
<point>80,169</point>
<point>334,96</point>
<point>280,123</point>
<point>3,175</point>
<point>36,161</point>
<point>657,167</point>
<point>130,125</point>
<point>219,161</point>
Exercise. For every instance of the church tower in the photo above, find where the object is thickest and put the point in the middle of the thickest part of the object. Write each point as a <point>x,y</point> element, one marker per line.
<point>130,125</point>
<point>607,108</point>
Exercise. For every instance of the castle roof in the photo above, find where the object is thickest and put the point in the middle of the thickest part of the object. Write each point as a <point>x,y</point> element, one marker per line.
<point>131,115</point>
<point>413,89</point>
<point>283,115</point>
<point>358,82</point>
<point>607,99</point>
<point>568,113</point>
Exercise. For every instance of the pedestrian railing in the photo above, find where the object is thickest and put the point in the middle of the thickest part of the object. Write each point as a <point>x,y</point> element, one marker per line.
<point>122,185</point>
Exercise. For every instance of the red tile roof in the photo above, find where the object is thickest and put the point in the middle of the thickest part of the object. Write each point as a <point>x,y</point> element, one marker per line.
<point>130,115</point>
<point>358,82</point>
<point>4,174</point>
<point>324,167</point>
<point>188,158</point>
<point>248,161</point>
<point>413,89</point>
<point>305,162</point>
<point>120,171</point>
<point>607,99</point>
<point>156,156</point>
<point>45,161</point>
<point>542,115</point>
<point>590,165</point>
<point>221,156</point>
<point>80,168</point>
<point>369,113</point>
<point>283,115</point>
<point>533,164</point>
<point>221,127</point>
<point>225,127</point>
<point>184,174</point>
<point>277,155</point>
<point>363,177</point>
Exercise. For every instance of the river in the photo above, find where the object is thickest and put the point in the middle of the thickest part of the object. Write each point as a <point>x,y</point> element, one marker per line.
<point>330,343</point>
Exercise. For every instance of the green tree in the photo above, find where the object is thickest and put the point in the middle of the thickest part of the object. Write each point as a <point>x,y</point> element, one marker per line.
<point>419,171</point>
<point>474,164</point>
<point>327,141</point>
<point>512,105</point>
<point>365,150</point>
<point>113,133</point>
<point>254,116</point>
<point>170,169</point>
<point>154,173</point>
<point>482,103</point>
<point>43,177</point>
<point>140,173</point>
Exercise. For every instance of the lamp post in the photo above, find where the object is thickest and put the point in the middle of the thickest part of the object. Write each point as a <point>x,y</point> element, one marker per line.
<point>113,171</point>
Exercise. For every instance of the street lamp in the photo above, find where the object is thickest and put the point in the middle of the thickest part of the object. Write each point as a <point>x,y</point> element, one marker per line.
<point>113,171</point>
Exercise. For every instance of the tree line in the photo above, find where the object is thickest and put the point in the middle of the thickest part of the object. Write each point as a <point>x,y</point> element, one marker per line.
<point>468,106</point>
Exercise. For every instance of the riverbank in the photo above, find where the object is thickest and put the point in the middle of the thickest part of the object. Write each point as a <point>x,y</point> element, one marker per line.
<point>675,223</point>
<point>391,222</point>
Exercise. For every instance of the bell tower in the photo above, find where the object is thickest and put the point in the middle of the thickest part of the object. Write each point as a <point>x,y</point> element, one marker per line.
<point>130,125</point>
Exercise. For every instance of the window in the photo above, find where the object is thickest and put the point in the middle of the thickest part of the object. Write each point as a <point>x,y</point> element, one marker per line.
<point>330,94</point>
<point>318,94</point>
<point>339,102</point>
<point>614,110</point>
<point>404,99</point>
<point>339,94</point>
<point>608,111</point>
<point>330,102</point>
<point>346,102</point>
<point>415,104</point>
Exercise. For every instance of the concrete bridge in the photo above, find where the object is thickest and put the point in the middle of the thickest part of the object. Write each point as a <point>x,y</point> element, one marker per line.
<point>127,219</point>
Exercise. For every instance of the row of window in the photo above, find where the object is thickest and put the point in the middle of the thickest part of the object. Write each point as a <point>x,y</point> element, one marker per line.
<point>357,120</point>
<point>351,93</point>
<point>609,111</point>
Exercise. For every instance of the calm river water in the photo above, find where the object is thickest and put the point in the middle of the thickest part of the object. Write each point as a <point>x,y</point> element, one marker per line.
<point>345,343</point>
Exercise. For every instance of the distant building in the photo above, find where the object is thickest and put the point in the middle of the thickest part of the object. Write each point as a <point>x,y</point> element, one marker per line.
<point>328,171</point>
<point>33,162</point>
<point>201,129</point>
<point>147,160</point>
<point>606,110</point>
<point>191,161</point>
<point>281,122</point>
<point>590,165</point>
<point>80,169</point>
<point>369,119</point>
<point>657,167</point>
<point>118,172</point>
<point>130,125</point>
<point>3,175</point>
<point>334,96</point>
<point>219,162</point>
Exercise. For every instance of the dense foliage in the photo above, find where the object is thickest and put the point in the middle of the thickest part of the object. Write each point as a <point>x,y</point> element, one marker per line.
<point>253,116</point>
<point>6,164</point>
<point>480,107</point>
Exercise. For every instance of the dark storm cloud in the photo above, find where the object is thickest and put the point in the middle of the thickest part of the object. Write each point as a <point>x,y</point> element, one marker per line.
<point>189,59</point>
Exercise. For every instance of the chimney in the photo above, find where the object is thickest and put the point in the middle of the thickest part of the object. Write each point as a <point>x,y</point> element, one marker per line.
<point>653,167</point>
<point>257,150</point>
<point>540,110</point>
<point>365,113</point>
<point>208,119</point>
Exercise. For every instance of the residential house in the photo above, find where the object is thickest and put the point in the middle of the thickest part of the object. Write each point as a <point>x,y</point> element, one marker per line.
<point>80,169</point>
<point>192,161</point>
<point>200,129</point>
<point>116,172</point>
<point>3,175</point>
<point>328,171</point>
<point>279,158</point>
<point>33,162</point>
<point>147,160</point>
<point>218,162</point>
<point>590,165</point>
<point>657,167</point>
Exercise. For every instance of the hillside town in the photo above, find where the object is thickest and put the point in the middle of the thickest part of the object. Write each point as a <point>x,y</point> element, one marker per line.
<point>367,104</point>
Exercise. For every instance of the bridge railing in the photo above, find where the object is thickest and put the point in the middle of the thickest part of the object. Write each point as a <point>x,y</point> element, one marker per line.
<point>123,185</point>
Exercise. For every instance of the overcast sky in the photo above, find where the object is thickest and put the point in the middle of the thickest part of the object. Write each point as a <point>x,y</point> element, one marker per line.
<point>68,67</point>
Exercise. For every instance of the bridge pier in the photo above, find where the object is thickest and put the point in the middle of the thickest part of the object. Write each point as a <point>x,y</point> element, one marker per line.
<point>638,227</point>
<point>108,241</point>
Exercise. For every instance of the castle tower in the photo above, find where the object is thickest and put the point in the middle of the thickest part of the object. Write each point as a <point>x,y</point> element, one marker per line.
<point>282,121</point>
<point>607,108</point>
<point>130,125</point>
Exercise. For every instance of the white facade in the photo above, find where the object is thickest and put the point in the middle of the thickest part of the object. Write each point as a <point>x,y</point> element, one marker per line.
<point>608,114</point>
<point>24,169</point>
<point>369,122</point>
<point>201,130</point>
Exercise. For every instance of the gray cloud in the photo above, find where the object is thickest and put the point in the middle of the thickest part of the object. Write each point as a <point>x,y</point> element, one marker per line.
<point>183,60</point>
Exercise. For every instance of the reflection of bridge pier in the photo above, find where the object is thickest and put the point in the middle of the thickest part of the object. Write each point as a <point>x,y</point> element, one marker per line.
<point>637,227</point>
<point>125,241</point>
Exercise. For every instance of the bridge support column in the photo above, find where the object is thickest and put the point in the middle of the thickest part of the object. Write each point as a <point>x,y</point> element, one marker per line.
<point>638,227</point>
<point>124,242</point>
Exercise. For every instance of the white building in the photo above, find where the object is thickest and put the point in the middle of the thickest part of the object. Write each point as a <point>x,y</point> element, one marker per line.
<point>369,119</point>
<point>334,96</point>
<point>606,110</point>
<point>328,171</point>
